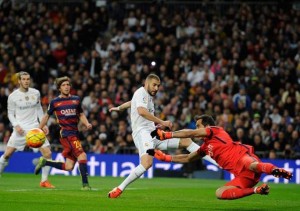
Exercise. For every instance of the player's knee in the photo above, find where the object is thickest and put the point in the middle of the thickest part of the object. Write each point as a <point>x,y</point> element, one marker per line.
<point>47,154</point>
<point>69,167</point>
<point>147,163</point>
<point>82,156</point>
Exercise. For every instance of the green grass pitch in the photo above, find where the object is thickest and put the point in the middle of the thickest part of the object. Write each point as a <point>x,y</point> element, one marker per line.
<point>22,192</point>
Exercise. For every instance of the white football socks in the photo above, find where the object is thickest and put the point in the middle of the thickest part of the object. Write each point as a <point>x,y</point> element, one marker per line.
<point>3,163</point>
<point>134,175</point>
<point>45,173</point>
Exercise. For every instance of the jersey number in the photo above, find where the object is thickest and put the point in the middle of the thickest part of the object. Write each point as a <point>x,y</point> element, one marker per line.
<point>77,144</point>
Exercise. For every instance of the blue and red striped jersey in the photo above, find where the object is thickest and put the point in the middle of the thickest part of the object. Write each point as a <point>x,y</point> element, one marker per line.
<point>66,111</point>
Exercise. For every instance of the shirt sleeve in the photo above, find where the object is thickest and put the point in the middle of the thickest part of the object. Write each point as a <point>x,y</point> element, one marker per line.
<point>209,132</point>
<point>50,108</point>
<point>141,100</point>
<point>80,109</point>
<point>11,108</point>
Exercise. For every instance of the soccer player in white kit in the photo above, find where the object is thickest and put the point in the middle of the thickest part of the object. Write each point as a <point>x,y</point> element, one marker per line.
<point>143,123</point>
<point>24,110</point>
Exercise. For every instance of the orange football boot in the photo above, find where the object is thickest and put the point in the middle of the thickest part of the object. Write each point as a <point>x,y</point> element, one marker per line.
<point>46,184</point>
<point>115,193</point>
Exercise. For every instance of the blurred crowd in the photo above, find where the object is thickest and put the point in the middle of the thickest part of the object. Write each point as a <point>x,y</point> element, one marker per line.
<point>238,62</point>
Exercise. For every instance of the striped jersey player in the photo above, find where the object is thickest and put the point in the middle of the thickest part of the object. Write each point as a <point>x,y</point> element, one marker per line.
<point>68,112</point>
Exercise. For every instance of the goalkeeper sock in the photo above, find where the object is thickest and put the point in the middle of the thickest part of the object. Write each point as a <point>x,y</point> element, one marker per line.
<point>83,171</point>
<point>265,168</point>
<point>192,147</point>
<point>236,193</point>
<point>134,175</point>
<point>45,173</point>
<point>57,165</point>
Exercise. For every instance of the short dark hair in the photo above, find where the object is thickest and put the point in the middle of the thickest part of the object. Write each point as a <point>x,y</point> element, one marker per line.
<point>206,120</point>
<point>60,80</point>
<point>152,76</point>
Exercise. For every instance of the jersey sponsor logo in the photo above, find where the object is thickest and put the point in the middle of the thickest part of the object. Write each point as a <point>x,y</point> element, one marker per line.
<point>27,107</point>
<point>68,112</point>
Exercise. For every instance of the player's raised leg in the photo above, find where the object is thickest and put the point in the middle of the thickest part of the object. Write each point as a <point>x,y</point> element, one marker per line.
<point>269,168</point>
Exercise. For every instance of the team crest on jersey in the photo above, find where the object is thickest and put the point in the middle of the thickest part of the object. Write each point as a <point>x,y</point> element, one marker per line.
<point>145,99</point>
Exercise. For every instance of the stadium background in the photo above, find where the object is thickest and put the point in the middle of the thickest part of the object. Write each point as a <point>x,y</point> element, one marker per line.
<point>238,61</point>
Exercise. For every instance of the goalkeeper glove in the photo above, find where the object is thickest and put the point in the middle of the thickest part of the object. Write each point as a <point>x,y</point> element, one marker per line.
<point>161,134</point>
<point>159,155</point>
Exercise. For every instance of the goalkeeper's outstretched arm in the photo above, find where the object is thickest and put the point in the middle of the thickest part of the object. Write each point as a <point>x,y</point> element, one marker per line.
<point>181,158</point>
<point>185,158</point>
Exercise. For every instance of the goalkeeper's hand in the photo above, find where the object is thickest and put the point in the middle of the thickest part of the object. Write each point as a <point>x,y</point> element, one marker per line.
<point>161,134</point>
<point>159,155</point>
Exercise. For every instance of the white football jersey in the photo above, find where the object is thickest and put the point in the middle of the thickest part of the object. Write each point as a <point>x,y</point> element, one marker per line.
<point>141,98</point>
<point>24,108</point>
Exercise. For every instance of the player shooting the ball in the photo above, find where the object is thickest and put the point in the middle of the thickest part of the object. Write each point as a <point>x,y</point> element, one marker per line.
<point>237,158</point>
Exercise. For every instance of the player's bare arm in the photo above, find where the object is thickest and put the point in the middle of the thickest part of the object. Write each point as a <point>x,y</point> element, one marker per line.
<point>44,122</point>
<point>181,158</point>
<point>85,121</point>
<point>185,158</point>
<point>147,115</point>
<point>188,133</point>
<point>121,107</point>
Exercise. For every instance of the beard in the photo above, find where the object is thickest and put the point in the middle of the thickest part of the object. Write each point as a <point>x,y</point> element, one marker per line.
<point>152,93</point>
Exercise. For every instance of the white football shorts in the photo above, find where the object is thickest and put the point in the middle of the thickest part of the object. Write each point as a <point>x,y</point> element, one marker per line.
<point>18,141</point>
<point>143,141</point>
